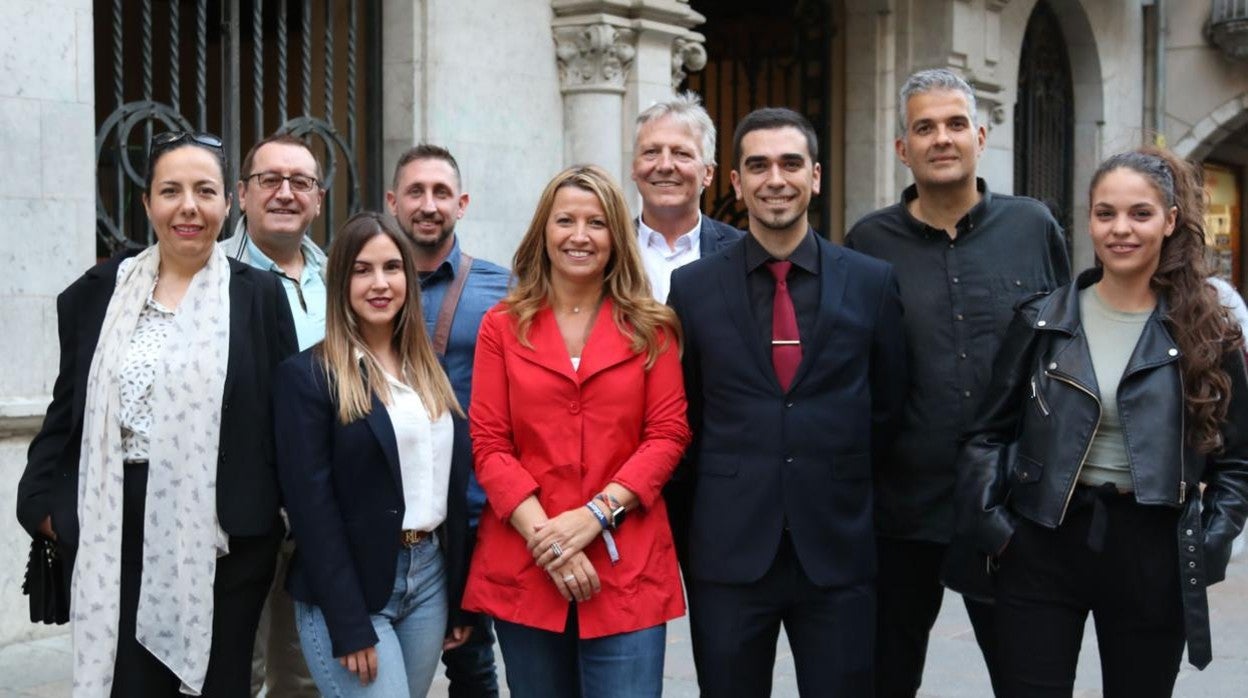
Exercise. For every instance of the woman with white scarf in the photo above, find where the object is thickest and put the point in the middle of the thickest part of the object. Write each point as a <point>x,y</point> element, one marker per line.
<point>154,468</point>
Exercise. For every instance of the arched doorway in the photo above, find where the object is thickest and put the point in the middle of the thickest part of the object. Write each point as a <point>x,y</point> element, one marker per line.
<point>786,53</point>
<point>1044,123</point>
<point>1224,157</point>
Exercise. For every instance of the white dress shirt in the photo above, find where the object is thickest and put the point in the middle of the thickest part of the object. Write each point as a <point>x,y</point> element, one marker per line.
<point>661,260</point>
<point>424,457</point>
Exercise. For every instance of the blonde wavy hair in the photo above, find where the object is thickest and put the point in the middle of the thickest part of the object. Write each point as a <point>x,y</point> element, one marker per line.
<point>643,320</point>
<point>353,372</point>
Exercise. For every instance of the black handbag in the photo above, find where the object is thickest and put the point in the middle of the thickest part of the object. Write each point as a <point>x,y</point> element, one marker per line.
<point>45,584</point>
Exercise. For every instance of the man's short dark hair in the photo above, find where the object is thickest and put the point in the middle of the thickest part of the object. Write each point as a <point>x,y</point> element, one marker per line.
<point>769,118</point>
<point>280,139</point>
<point>425,151</point>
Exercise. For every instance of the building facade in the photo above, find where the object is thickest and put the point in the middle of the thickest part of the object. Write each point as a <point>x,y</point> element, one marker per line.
<point>518,89</point>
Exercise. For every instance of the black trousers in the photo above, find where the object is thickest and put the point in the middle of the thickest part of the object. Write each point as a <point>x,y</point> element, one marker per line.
<point>735,628</point>
<point>909,595</point>
<point>1112,557</point>
<point>242,582</point>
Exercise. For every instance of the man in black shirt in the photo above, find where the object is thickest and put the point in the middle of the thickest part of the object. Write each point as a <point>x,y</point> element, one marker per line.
<point>963,257</point>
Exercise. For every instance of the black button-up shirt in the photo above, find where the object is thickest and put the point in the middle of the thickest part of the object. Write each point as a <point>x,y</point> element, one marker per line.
<point>958,294</point>
<point>803,282</point>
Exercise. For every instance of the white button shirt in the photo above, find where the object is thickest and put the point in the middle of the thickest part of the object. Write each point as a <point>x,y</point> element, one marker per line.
<point>660,259</point>
<point>424,457</point>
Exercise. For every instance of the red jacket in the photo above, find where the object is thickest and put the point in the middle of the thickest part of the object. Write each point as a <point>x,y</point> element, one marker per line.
<point>539,427</point>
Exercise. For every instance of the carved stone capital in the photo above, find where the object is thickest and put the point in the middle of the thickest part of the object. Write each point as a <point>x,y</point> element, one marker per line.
<point>688,55</point>
<point>594,57</point>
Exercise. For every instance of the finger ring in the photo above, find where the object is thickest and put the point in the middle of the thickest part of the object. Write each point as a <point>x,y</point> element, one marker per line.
<point>569,578</point>
<point>556,550</point>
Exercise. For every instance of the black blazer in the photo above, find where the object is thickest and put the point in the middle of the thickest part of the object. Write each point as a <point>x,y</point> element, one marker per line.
<point>763,459</point>
<point>344,496</point>
<point>262,333</point>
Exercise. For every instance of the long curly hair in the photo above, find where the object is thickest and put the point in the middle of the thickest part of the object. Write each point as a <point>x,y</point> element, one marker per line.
<point>1202,327</point>
<point>644,321</point>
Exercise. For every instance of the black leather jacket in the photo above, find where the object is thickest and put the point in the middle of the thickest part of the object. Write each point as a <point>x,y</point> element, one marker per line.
<point>1023,455</point>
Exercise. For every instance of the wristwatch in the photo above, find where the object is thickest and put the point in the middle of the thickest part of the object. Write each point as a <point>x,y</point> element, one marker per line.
<point>617,516</point>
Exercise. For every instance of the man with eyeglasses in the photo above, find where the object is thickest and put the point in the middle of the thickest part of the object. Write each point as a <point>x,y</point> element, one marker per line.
<point>280,194</point>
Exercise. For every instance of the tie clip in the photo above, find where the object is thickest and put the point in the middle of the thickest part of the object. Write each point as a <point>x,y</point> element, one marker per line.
<point>786,342</point>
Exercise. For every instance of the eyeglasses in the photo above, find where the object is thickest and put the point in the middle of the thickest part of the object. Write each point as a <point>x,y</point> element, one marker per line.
<point>170,139</point>
<point>271,181</point>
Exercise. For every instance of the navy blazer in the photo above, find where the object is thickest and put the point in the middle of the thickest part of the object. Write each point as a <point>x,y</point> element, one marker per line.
<point>715,236</point>
<point>262,333</point>
<point>764,459</point>
<point>343,492</point>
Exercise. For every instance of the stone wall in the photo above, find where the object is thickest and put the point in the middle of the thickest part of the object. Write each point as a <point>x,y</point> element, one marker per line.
<point>47,205</point>
<point>494,103</point>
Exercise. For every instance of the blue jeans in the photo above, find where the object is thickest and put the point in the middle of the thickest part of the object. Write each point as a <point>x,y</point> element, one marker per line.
<point>542,664</point>
<point>410,629</point>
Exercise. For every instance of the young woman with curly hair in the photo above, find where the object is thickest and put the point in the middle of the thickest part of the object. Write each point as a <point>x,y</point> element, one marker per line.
<point>1107,471</point>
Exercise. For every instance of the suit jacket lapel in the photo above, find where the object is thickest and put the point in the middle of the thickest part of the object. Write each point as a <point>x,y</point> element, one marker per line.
<point>547,349</point>
<point>708,237</point>
<point>241,292</point>
<point>737,307</point>
<point>378,420</point>
<point>831,294</point>
<point>103,285</point>
<point>606,347</point>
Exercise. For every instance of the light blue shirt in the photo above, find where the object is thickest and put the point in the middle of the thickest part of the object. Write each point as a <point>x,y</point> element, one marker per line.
<point>306,295</point>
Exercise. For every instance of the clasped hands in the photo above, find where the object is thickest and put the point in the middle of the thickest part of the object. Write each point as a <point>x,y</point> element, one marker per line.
<point>558,546</point>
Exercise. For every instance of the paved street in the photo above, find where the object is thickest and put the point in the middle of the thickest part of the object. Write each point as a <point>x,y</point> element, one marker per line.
<point>954,667</point>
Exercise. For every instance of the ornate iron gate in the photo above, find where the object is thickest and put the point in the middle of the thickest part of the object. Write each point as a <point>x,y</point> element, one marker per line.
<point>242,69</point>
<point>1044,130</point>
<point>774,54</point>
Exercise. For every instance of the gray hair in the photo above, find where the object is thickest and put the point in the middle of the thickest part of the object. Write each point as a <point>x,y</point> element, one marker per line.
<point>685,109</point>
<point>929,81</point>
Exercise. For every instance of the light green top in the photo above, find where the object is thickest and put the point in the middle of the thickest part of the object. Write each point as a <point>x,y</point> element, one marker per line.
<point>1112,336</point>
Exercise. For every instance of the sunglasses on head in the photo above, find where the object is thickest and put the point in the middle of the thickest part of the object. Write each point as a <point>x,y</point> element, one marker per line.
<point>170,139</point>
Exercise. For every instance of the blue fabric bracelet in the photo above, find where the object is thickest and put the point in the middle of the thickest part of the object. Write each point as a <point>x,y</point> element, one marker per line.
<point>612,551</point>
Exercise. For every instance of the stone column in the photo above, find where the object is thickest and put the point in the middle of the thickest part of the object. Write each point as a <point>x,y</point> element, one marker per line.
<point>617,57</point>
<point>594,59</point>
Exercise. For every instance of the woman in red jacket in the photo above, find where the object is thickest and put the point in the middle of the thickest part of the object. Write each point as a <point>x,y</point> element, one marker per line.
<point>577,420</point>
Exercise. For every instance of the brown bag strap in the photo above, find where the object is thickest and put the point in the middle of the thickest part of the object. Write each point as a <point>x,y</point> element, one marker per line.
<point>446,313</point>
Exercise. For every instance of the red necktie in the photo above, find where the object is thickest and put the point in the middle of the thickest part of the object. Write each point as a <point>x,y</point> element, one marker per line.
<point>786,345</point>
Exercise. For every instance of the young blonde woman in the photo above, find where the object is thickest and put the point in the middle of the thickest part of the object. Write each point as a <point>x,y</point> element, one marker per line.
<point>578,419</point>
<point>1107,471</point>
<point>367,427</point>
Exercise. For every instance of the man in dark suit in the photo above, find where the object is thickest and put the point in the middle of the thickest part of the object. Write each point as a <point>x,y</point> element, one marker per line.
<point>794,363</point>
<point>673,161</point>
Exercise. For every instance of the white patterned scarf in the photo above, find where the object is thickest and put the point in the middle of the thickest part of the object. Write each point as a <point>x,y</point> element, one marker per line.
<point>181,535</point>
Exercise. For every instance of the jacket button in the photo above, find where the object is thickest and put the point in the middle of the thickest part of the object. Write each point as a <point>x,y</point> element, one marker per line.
<point>1191,548</point>
<point>1053,366</point>
<point>1041,323</point>
<point>574,407</point>
<point>788,459</point>
<point>1192,581</point>
<point>1173,352</point>
<point>1192,565</point>
<point>788,404</point>
<point>1188,532</point>
<point>1022,476</point>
